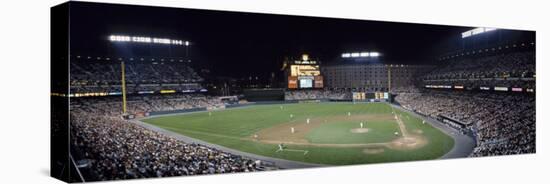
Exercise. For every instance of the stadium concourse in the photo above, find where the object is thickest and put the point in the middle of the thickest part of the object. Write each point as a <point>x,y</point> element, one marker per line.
<point>108,147</point>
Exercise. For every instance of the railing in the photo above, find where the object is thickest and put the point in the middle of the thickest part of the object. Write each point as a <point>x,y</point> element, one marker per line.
<point>77,169</point>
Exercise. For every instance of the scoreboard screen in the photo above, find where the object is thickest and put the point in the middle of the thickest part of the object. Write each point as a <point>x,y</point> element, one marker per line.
<point>306,83</point>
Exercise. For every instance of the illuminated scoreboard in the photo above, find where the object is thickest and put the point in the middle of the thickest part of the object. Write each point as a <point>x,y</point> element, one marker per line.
<point>304,74</point>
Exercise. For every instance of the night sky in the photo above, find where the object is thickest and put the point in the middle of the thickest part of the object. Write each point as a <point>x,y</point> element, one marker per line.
<point>238,44</point>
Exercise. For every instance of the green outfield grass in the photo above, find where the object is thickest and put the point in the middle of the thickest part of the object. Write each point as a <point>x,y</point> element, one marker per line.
<point>233,127</point>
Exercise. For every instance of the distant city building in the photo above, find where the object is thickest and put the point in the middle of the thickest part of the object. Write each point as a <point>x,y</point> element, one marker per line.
<point>371,76</point>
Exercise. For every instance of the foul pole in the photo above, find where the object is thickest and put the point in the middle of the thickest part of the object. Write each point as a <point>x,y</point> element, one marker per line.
<point>123,88</point>
<point>389,78</point>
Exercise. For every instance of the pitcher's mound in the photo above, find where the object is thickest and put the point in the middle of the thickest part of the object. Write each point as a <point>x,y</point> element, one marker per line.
<point>359,130</point>
<point>418,131</point>
<point>373,150</point>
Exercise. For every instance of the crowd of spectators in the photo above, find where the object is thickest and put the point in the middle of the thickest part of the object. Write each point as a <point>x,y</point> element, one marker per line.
<point>317,95</point>
<point>514,69</point>
<point>104,76</point>
<point>178,102</point>
<point>154,103</point>
<point>505,65</point>
<point>502,123</point>
<point>405,89</point>
<point>113,148</point>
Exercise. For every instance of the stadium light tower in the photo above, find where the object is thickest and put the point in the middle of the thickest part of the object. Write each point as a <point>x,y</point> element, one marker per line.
<point>187,44</point>
<point>128,39</point>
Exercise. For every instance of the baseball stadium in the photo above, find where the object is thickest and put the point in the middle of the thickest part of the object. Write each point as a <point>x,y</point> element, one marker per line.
<point>142,96</point>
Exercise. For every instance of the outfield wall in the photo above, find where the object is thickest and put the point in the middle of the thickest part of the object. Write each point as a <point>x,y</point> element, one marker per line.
<point>260,95</point>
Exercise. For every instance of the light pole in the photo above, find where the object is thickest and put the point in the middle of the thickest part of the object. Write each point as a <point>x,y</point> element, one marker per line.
<point>123,88</point>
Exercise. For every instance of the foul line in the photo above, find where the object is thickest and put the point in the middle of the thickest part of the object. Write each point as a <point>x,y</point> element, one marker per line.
<point>295,150</point>
<point>400,124</point>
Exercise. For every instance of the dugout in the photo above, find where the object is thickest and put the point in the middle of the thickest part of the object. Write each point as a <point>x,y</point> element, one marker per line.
<point>461,126</point>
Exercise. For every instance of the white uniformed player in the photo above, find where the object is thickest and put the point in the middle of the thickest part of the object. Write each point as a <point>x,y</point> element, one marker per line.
<point>307,120</point>
<point>281,147</point>
<point>292,129</point>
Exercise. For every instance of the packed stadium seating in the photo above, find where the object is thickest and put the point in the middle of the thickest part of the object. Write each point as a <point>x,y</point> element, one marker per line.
<point>114,148</point>
<point>502,123</point>
<point>151,103</point>
<point>105,76</point>
<point>509,69</point>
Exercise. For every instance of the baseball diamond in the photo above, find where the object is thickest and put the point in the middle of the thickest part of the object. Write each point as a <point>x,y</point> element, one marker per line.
<point>332,137</point>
